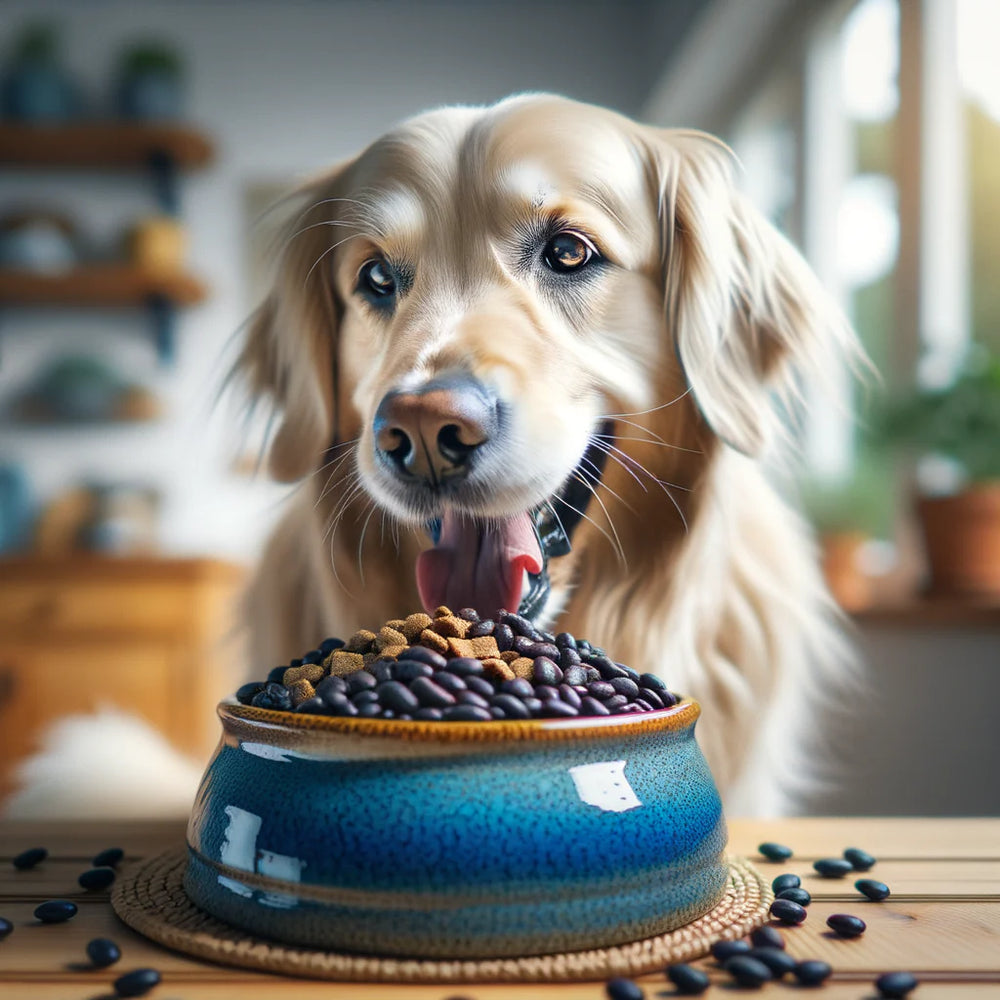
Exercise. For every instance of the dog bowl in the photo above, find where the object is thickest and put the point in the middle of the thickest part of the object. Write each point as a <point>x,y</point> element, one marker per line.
<point>457,840</point>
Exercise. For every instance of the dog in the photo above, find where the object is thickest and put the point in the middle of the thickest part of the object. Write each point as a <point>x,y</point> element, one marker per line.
<point>537,356</point>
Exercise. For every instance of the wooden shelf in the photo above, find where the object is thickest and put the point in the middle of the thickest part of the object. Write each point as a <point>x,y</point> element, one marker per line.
<point>932,612</point>
<point>102,145</point>
<point>99,285</point>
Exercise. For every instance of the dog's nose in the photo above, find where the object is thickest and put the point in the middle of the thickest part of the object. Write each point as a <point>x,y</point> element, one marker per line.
<point>432,432</point>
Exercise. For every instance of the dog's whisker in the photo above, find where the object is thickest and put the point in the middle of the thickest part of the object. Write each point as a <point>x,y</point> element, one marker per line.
<point>638,465</point>
<point>602,446</point>
<point>607,514</point>
<point>361,541</point>
<point>652,409</point>
<point>640,427</point>
<point>594,478</point>
<point>328,250</point>
<point>583,515</point>
<point>654,444</point>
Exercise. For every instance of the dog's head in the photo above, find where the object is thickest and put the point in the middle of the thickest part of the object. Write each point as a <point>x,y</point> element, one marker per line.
<point>481,297</point>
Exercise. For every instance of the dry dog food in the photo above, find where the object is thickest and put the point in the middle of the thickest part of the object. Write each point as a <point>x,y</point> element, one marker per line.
<point>456,666</point>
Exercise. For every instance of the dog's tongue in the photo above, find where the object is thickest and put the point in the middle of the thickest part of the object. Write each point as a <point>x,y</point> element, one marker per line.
<point>474,565</point>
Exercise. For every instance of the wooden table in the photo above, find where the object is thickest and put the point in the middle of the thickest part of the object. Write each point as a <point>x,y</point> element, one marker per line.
<point>942,921</point>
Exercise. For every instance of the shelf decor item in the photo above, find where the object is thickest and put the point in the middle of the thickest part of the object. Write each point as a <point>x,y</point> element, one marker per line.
<point>42,242</point>
<point>962,530</point>
<point>35,88</point>
<point>150,83</point>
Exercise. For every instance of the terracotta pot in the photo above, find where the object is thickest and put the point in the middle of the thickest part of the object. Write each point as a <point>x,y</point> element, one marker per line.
<point>962,541</point>
<point>849,584</point>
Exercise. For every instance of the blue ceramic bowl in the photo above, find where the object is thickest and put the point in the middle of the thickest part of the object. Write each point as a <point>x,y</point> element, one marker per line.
<point>457,840</point>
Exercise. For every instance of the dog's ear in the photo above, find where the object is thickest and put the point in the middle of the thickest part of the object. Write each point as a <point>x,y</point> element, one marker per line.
<point>290,353</point>
<point>748,317</point>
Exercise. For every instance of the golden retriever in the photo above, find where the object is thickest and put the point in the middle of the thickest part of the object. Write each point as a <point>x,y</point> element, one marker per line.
<point>532,355</point>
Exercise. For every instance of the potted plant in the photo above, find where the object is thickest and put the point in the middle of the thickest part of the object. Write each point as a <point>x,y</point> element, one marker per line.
<point>35,88</point>
<point>150,82</point>
<point>961,528</point>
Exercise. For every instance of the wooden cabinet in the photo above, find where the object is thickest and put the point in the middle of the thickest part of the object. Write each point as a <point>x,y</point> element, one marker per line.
<point>152,637</point>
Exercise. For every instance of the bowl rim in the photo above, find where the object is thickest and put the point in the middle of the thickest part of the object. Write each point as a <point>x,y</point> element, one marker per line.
<point>245,721</point>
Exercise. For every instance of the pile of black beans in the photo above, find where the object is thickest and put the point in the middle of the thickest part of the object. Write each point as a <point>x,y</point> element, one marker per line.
<point>458,667</point>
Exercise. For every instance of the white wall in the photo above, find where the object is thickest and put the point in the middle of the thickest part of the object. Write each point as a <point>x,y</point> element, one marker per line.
<point>283,88</point>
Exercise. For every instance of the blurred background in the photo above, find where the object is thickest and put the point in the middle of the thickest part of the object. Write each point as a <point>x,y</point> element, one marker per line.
<point>139,142</point>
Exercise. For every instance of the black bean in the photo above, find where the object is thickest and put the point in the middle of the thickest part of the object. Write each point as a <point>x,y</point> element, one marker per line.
<point>428,714</point>
<point>246,692</point>
<point>383,671</point>
<point>533,705</point>
<point>651,698</point>
<point>632,675</point>
<point>668,699</point>
<point>504,636</point>
<point>566,640</point>
<point>748,972</point>
<point>574,675</point>
<point>327,646</point>
<point>6,928</point>
<point>55,911</point>
<point>568,695</point>
<point>312,706</point>
<point>569,658</point>
<point>722,951</point>
<point>522,644</point>
<point>449,681</point>
<point>464,666</point>
<point>546,692</point>
<point>397,696</point>
<point>291,663</point>
<point>329,686</point>
<point>277,674</point>
<point>110,857</point>
<point>371,711</point>
<point>787,911</point>
<point>625,686</point>
<point>513,707</point>
<point>497,712</point>
<point>136,983</point>
<point>97,878</point>
<point>895,985</point>
<point>341,706</point>
<point>480,685</point>
<point>591,706</point>
<point>367,697</point>
<point>774,852</point>
<point>846,925</point>
<point>360,680</point>
<point>471,698</point>
<point>520,687</point>
<point>313,656</point>
<point>521,625</point>
<point>424,655</point>
<point>593,674</point>
<point>274,697</point>
<point>546,649</point>
<point>547,636</point>
<point>799,895</point>
<point>652,682</point>
<point>469,614</point>
<point>627,709</point>
<point>404,717</point>
<point>466,713</point>
<point>606,667</point>
<point>875,891</point>
<point>431,695</point>
<point>833,867</point>
<point>31,857</point>
<point>643,705</point>
<point>485,627</point>
<point>546,671</point>
<point>409,670</point>
<point>601,689</point>
<point>615,702</point>
<point>584,646</point>
<point>778,961</point>
<point>860,860</point>
<point>103,952</point>
<point>556,709</point>
<point>812,972</point>
<point>688,981</point>
<point>766,937</point>
<point>786,881</point>
<point>623,989</point>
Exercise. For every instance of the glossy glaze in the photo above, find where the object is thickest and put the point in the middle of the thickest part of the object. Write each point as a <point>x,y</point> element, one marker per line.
<point>457,840</point>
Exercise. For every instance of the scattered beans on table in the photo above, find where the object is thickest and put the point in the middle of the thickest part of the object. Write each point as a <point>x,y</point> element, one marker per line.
<point>860,861</point>
<point>55,911</point>
<point>623,989</point>
<point>103,952</point>
<point>812,972</point>
<point>747,971</point>
<point>786,881</point>
<point>111,857</point>
<point>6,927</point>
<point>775,852</point>
<point>895,985</point>
<point>766,937</point>
<point>846,925</point>
<point>787,911</point>
<point>873,889</point>
<point>458,667</point>
<point>833,867</point>
<point>722,951</point>
<point>796,895</point>
<point>777,960</point>
<point>97,878</point>
<point>136,983</point>
<point>689,981</point>
<point>29,858</point>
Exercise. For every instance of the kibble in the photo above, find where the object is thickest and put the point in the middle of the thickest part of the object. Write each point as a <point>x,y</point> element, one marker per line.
<point>722,951</point>
<point>845,925</point>
<point>103,952</point>
<point>774,852</point>
<point>796,895</point>
<point>29,858</point>
<point>111,857</point>
<point>833,867</point>
<point>623,989</point>
<point>874,890</point>
<point>6,927</point>
<point>97,878</point>
<point>748,972</point>
<point>787,911</point>
<point>137,982</point>
<point>812,972</point>
<point>860,861</point>
<point>55,911</point>
<point>895,985</point>
<point>766,937</point>
<point>463,667</point>
<point>786,881</point>
<point>690,982</point>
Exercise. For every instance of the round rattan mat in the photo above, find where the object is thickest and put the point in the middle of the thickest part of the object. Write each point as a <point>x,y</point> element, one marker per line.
<point>152,901</point>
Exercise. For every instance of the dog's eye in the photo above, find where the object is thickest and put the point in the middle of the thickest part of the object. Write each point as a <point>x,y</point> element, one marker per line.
<point>377,279</point>
<point>567,252</point>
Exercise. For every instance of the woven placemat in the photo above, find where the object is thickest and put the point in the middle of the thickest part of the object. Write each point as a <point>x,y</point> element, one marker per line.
<point>152,901</point>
